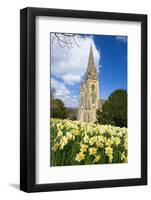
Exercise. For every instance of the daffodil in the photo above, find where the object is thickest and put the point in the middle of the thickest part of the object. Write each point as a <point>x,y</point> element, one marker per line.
<point>63,142</point>
<point>99,144</point>
<point>109,151</point>
<point>92,151</point>
<point>109,142</point>
<point>69,136</point>
<point>126,143</point>
<point>83,148</point>
<point>96,159</point>
<point>59,133</point>
<point>110,158</point>
<point>79,157</point>
<point>92,140</point>
<point>86,139</point>
<point>117,141</point>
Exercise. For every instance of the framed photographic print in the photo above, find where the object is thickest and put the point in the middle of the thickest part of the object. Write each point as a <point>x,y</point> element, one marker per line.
<point>83,99</point>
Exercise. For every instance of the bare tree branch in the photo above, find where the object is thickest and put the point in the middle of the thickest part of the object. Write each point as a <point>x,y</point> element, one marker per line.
<point>65,39</point>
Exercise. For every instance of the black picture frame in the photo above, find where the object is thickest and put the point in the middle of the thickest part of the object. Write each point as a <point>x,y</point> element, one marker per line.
<point>28,99</point>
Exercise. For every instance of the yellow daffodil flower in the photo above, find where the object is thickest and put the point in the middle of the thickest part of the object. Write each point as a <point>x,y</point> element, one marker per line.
<point>109,151</point>
<point>96,159</point>
<point>79,157</point>
<point>83,148</point>
<point>92,151</point>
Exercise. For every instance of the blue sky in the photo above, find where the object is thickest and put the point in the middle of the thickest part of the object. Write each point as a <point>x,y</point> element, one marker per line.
<point>69,65</point>
<point>113,71</point>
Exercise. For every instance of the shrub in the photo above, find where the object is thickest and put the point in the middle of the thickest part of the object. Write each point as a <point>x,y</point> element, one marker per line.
<point>114,110</point>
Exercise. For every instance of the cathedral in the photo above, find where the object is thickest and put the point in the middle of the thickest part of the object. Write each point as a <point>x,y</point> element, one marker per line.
<point>89,92</point>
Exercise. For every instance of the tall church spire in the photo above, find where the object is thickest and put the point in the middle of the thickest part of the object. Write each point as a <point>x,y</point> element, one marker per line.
<point>91,69</point>
<point>89,92</point>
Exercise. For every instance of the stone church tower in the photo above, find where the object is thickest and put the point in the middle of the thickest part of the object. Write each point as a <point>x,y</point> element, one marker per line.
<point>89,92</point>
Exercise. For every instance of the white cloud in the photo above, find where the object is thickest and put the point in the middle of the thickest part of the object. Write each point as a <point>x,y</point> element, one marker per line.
<point>61,92</point>
<point>121,38</point>
<point>71,78</point>
<point>70,64</point>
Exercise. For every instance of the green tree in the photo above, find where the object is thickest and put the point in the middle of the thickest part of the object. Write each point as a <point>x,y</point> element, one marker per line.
<point>114,110</point>
<point>58,109</point>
